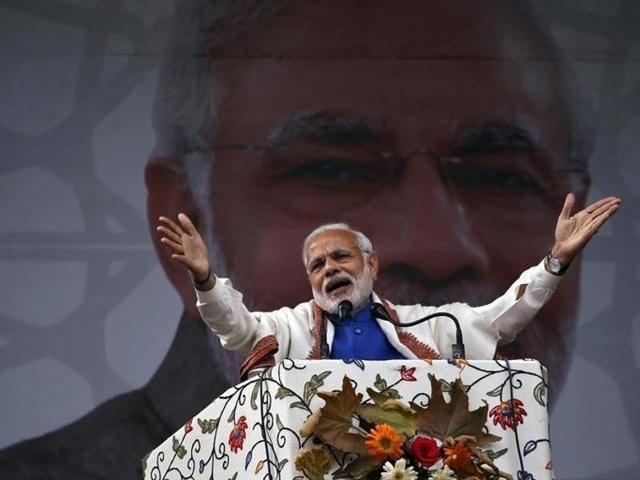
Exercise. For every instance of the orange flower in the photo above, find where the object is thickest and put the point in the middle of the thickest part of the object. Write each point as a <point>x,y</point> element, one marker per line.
<point>457,457</point>
<point>383,442</point>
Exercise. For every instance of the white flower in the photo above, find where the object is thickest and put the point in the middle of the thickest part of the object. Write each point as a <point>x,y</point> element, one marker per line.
<point>399,471</point>
<point>444,474</point>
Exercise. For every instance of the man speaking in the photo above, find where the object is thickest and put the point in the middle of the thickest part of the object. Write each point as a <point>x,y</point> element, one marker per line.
<point>341,265</point>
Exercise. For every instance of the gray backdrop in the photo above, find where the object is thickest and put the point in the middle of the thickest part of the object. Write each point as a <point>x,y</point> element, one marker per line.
<point>80,284</point>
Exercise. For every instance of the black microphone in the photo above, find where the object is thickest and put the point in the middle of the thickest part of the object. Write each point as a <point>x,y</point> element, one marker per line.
<point>344,309</point>
<point>378,311</point>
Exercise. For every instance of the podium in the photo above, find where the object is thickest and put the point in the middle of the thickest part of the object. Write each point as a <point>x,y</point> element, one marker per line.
<point>253,429</point>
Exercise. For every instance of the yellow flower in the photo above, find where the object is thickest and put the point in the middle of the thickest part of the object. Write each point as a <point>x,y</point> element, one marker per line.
<point>383,441</point>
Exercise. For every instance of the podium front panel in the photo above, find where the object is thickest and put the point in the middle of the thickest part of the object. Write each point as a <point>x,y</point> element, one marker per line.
<point>252,430</point>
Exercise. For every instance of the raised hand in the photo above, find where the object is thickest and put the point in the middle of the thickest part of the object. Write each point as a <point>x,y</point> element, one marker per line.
<point>573,232</point>
<point>187,245</point>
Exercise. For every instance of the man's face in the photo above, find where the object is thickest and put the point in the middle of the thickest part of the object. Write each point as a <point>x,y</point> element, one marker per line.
<point>338,270</point>
<point>417,123</point>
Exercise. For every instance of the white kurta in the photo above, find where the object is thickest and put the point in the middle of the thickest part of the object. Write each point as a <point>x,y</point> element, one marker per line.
<point>483,327</point>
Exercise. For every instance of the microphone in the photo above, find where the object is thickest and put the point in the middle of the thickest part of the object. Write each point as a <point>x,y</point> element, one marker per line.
<point>457,349</point>
<point>344,309</point>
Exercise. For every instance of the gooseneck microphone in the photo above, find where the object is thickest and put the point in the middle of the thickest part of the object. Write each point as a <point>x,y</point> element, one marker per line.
<point>457,349</point>
<point>344,309</point>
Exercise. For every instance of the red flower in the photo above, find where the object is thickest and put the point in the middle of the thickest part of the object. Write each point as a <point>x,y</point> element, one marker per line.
<point>407,373</point>
<point>238,434</point>
<point>508,414</point>
<point>425,451</point>
<point>187,426</point>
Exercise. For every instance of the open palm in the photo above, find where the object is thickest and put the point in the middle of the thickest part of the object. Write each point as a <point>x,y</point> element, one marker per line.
<point>187,245</point>
<point>573,232</point>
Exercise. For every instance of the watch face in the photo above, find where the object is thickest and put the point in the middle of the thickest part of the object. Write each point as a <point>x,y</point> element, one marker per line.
<point>555,265</point>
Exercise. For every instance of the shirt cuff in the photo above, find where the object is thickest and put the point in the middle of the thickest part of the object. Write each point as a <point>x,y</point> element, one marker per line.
<point>545,279</point>
<point>213,294</point>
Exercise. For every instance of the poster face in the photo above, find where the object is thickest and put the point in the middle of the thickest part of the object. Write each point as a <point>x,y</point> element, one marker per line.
<point>447,132</point>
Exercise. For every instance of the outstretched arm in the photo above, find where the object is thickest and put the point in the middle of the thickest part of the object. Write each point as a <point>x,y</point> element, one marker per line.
<point>188,248</point>
<point>511,312</point>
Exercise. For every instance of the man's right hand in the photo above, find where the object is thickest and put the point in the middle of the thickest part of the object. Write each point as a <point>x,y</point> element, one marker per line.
<point>188,247</point>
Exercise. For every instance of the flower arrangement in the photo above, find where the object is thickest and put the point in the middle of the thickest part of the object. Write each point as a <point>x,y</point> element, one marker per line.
<point>386,439</point>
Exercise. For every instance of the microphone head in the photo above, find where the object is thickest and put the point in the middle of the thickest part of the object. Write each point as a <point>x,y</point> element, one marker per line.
<point>378,311</point>
<point>344,309</point>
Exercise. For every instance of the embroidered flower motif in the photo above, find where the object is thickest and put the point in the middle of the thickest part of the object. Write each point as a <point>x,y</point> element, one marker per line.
<point>383,441</point>
<point>508,414</point>
<point>399,471</point>
<point>407,373</point>
<point>444,474</point>
<point>187,426</point>
<point>524,475</point>
<point>425,450</point>
<point>457,457</point>
<point>238,434</point>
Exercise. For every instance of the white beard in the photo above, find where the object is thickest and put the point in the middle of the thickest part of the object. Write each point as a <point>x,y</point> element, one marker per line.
<point>358,296</point>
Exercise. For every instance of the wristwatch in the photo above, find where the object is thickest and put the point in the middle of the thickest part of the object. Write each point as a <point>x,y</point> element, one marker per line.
<point>554,265</point>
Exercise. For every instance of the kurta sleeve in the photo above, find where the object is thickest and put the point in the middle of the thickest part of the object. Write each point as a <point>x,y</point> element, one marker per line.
<point>511,312</point>
<point>224,312</point>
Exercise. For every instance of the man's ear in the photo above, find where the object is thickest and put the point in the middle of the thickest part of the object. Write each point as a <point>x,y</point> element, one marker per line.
<point>374,264</point>
<point>168,195</point>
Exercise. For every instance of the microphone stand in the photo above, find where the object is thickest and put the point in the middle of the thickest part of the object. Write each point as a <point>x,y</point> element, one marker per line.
<point>344,310</point>
<point>457,349</point>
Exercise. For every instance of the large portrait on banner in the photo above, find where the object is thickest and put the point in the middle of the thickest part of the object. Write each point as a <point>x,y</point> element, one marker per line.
<point>448,132</point>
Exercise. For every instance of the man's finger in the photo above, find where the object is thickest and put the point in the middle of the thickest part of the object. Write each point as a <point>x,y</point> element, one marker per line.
<point>173,225</point>
<point>176,247</point>
<point>187,224</point>
<point>595,205</point>
<point>604,207</point>
<point>602,217</point>
<point>169,233</point>
<point>568,206</point>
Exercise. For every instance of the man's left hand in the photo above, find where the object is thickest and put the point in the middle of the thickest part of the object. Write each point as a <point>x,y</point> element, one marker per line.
<point>573,232</point>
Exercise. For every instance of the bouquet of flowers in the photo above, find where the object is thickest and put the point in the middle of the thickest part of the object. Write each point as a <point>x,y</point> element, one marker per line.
<point>386,439</point>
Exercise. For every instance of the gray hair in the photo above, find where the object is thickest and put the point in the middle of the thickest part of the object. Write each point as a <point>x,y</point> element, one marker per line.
<point>364,244</point>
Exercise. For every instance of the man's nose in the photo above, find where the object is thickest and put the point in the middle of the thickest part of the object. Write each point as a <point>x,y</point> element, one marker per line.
<point>422,225</point>
<point>330,267</point>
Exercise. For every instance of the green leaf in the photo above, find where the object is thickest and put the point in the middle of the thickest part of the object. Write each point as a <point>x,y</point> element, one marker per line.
<point>281,464</point>
<point>388,410</point>
<point>380,383</point>
<point>446,386</point>
<point>539,392</point>
<point>279,422</point>
<point>208,425</point>
<point>493,455</point>
<point>283,392</point>
<point>441,419</point>
<point>393,393</point>
<point>254,395</point>
<point>495,392</point>
<point>315,382</point>
<point>177,448</point>
<point>299,404</point>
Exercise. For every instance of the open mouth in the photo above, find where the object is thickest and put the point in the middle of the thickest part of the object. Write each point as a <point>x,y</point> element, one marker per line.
<point>337,285</point>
